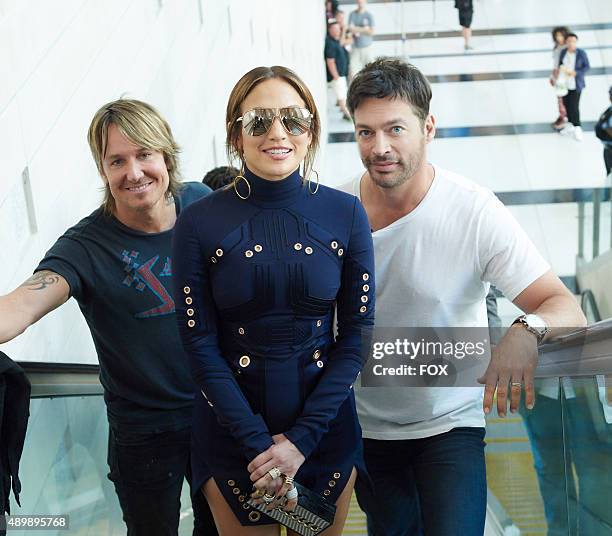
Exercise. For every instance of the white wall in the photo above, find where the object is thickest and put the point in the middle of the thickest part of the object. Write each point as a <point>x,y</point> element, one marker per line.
<point>61,60</point>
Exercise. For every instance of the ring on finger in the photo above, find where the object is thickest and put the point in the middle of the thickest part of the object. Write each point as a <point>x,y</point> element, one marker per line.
<point>292,493</point>
<point>268,498</point>
<point>275,472</point>
<point>516,384</point>
<point>289,480</point>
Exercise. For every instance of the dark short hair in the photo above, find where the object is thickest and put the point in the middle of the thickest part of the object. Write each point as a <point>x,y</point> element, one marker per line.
<point>220,176</point>
<point>571,34</point>
<point>563,30</point>
<point>391,78</point>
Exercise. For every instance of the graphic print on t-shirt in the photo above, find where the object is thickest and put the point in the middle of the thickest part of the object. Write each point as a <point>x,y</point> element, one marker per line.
<point>141,277</point>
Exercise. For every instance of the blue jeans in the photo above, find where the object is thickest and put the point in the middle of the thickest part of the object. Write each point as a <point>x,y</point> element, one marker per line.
<point>148,473</point>
<point>434,486</point>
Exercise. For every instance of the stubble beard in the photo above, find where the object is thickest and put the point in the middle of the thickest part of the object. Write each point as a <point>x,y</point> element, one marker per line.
<point>408,167</point>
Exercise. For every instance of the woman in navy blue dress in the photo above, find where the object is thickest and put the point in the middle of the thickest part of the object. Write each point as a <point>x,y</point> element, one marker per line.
<point>260,269</point>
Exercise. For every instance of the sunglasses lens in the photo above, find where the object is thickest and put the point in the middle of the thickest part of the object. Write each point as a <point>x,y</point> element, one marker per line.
<point>257,122</point>
<point>296,120</point>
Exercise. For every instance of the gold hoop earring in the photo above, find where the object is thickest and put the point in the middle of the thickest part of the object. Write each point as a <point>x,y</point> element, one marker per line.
<point>310,181</point>
<point>235,182</point>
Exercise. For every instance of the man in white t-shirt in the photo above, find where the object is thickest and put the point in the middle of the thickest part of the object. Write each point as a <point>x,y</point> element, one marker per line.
<point>439,240</point>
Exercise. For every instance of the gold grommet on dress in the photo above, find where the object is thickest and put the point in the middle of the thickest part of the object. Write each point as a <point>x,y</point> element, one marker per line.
<point>340,252</point>
<point>236,491</point>
<point>326,492</point>
<point>191,323</point>
<point>231,483</point>
<point>219,253</point>
<point>364,299</point>
<point>332,483</point>
<point>297,246</point>
<point>308,250</point>
<point>245,361</point>
<point>188,301</point>
<point>186,290</point>
<point>190,312</point>
<point>254,516</point>
<point>213,260</point>
<point>248,253</point>
<point>241,498</point>
<point>319,323</point>
<point>241,331</point>
<point>365,277</point>
<point>363,309</point>
<point>316,354</point>
<point>334,245</point>
<point>366,288</point>
<point>336,476</point>
<point>258,248</point>
<point>246,506</point>
<point>320,364</point>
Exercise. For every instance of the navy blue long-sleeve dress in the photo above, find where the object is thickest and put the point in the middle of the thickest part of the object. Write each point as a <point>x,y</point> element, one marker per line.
<point>257,284</point>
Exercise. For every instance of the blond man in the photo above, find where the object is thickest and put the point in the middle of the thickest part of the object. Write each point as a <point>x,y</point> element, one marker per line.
<point>117,264</point>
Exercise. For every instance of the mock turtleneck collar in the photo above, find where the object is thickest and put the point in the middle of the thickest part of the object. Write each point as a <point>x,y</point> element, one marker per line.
<point>272,193</point>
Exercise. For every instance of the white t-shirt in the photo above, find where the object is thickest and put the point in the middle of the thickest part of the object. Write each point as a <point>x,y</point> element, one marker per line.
<point>569,61</point>
<point>433,269</point>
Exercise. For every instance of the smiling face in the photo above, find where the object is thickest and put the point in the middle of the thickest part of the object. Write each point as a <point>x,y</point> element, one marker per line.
<point>137,177</point>
<point>275,154</point>
<point>391,140</point>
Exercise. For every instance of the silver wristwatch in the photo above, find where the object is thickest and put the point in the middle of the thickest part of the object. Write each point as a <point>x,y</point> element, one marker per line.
<point>534,324</point>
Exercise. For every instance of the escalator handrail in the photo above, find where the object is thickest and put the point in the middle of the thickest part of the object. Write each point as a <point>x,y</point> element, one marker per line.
<point>587,298</point>
<point>62,379</point>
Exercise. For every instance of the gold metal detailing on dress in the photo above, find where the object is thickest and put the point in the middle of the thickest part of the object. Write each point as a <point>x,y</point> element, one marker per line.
<point>244,361</point>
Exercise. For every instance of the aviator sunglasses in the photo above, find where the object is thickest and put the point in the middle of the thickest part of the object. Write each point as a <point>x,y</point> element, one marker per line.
<point>258,121</point>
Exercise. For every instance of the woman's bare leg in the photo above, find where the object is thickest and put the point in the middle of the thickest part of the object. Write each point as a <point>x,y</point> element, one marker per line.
<point>342,508</point>
<point>226,521</point>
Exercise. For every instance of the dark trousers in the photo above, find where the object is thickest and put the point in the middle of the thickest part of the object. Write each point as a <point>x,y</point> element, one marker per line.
<point>434,486</point>
<point>572,103</point>
<point>608,158</point>
<point>148,473</point>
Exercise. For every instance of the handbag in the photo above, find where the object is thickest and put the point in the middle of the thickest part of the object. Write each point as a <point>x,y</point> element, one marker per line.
<point>561,85</point>
<point>312,514</point>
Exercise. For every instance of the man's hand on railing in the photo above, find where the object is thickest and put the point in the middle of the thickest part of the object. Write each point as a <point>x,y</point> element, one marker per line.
<point>512,366</point>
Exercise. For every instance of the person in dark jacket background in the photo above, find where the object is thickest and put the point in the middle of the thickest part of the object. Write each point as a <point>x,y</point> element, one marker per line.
<point>574,62</point>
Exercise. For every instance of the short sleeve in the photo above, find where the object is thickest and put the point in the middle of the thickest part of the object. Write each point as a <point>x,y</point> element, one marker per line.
<point>508,258</point>
<point>68,258</point>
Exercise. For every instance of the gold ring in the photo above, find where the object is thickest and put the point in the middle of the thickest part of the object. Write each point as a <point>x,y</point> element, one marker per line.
<point>267,498</point>
<point>516,384</point>
<point>275,472</point>
<point>289,480</point>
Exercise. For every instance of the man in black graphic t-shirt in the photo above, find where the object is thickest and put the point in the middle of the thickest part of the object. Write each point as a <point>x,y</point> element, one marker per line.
<point>117,264</point>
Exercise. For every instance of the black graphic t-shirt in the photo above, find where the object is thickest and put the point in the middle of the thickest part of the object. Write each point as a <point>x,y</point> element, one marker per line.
<point>122,281</point>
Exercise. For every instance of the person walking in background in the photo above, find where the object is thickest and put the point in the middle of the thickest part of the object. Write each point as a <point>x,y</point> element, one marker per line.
<point>559,33</point>
<point>361,26</point>
<point>336,65</point>
<point>574,63</point>
<point>466,12</point>
<point>603,130</point>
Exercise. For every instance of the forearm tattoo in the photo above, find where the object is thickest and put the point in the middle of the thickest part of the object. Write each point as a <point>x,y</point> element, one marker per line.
<point>41,280</point>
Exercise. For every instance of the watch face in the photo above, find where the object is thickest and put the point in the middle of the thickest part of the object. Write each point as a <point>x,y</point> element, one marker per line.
<point>536,322</point>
